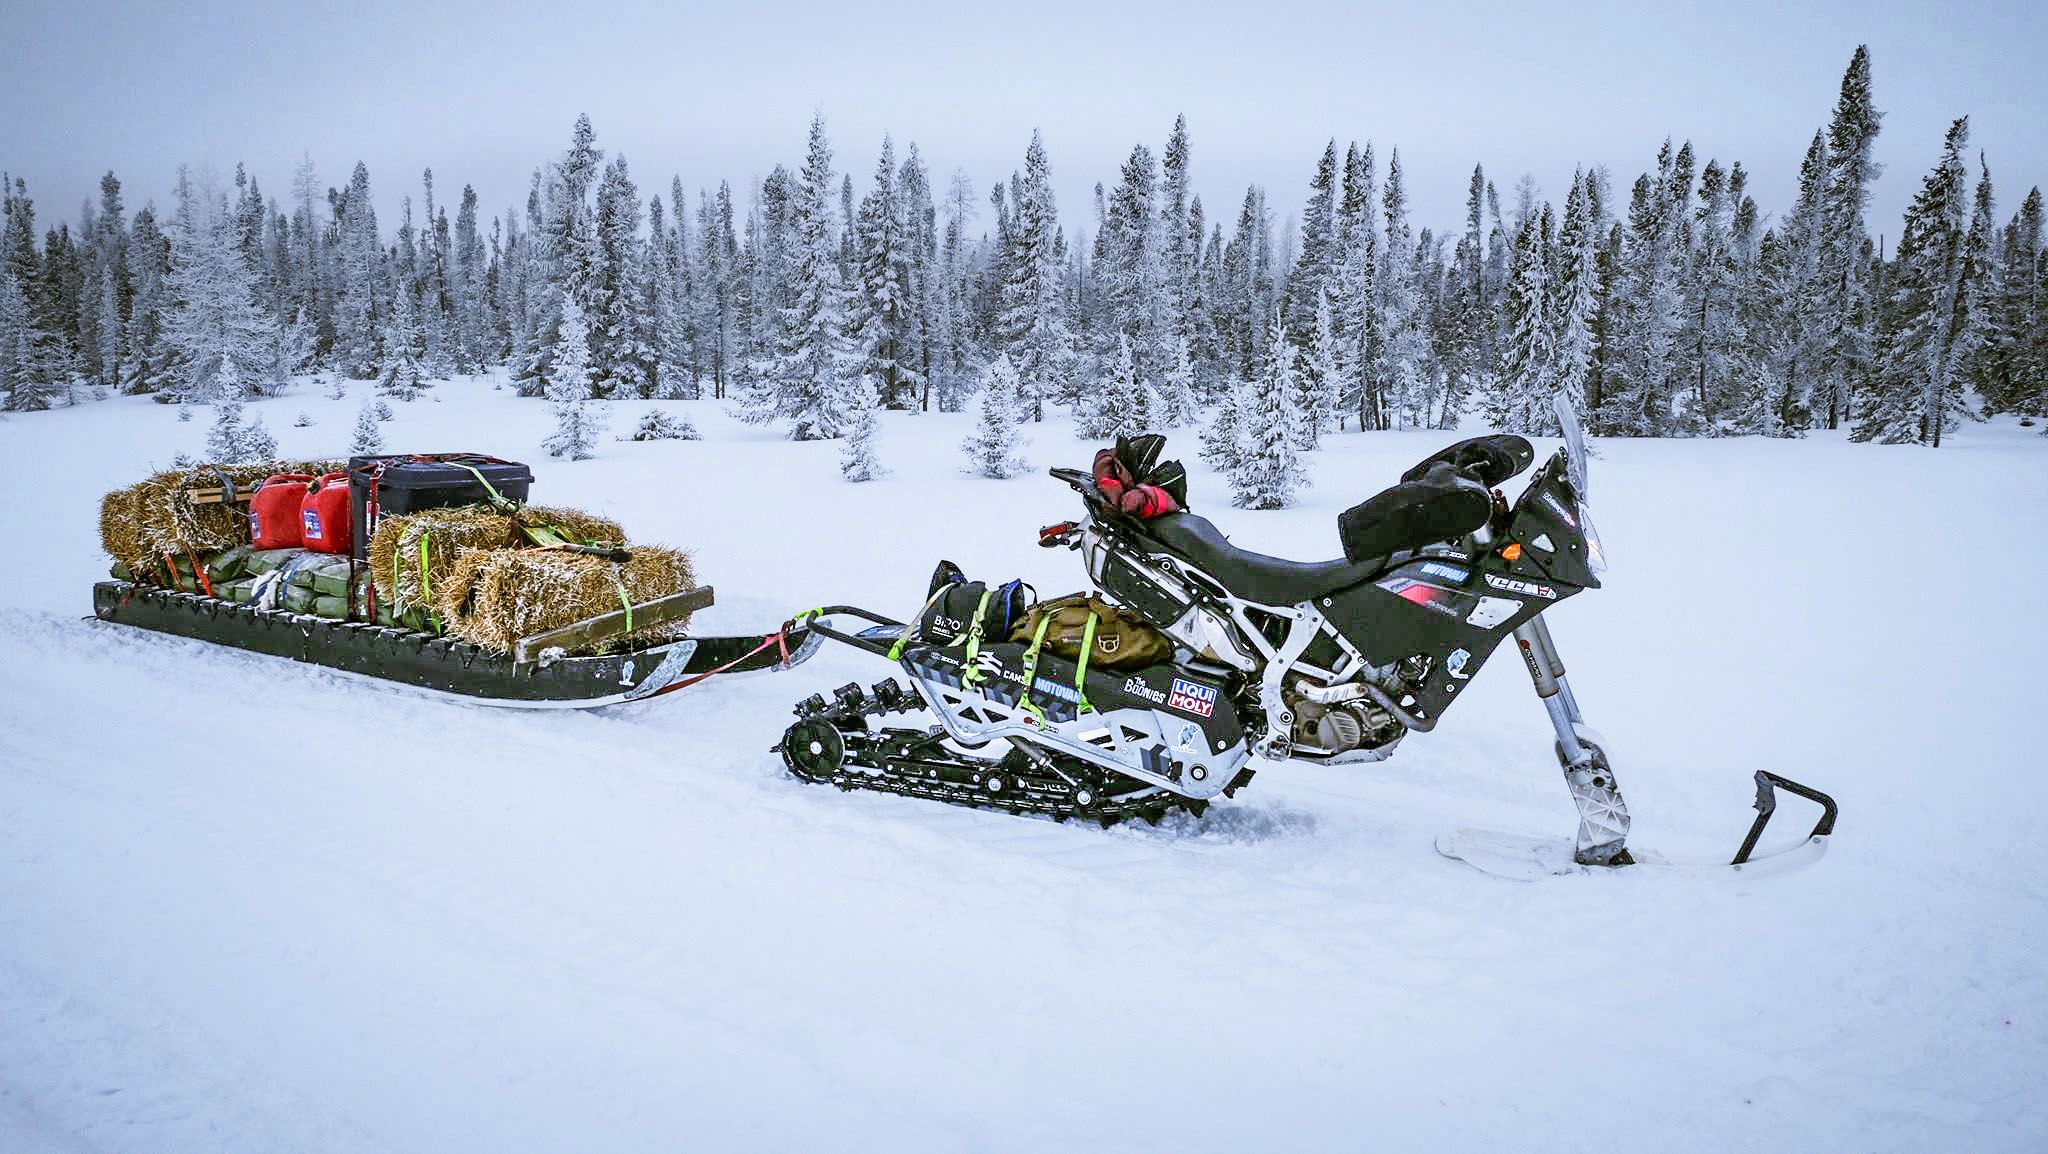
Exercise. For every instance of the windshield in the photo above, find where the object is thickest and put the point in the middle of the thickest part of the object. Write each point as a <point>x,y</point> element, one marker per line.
<point>1575,471</point>
<point>1574,441</point>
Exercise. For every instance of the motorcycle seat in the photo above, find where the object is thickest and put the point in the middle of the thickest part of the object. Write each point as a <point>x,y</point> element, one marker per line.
<point>1255,576</point>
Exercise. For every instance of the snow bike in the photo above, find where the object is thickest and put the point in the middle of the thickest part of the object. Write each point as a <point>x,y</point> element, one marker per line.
<point>1274,661</point>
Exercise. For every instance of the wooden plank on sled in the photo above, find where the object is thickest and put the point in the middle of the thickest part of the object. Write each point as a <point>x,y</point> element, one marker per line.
<point>215,496</point>
<point>647,614</point>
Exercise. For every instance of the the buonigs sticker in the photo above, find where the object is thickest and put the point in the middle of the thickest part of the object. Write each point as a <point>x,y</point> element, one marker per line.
<point>1192,697</point>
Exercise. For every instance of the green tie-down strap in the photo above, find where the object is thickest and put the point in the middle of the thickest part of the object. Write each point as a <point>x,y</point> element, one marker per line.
<point>1031,666</point>
<point>498,500</point>
<point>1081,667</point>
<point>970,675</point>
<point>903,638</point>
<point>624,599</point>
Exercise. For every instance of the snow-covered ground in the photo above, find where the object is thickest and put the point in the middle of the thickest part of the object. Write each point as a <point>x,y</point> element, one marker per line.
<point>247,905</point>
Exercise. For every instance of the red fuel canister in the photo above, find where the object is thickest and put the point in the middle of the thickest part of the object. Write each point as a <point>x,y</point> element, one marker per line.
<point>324,517</point>
<point>274,512</point>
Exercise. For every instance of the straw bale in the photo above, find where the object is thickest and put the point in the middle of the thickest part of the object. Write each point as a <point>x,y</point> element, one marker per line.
<point>495,597</point>
<point>449,533</point>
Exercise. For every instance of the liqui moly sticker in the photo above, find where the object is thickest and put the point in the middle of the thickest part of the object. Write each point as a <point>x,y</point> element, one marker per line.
<point>312,518</point>
<point>1192,697</point>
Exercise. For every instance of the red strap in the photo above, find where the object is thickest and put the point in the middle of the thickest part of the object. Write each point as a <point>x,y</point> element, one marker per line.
<point>199,571</point>
<point>779,638</point>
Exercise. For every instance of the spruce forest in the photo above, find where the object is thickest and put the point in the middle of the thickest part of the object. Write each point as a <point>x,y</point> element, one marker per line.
<point>1670,305</point>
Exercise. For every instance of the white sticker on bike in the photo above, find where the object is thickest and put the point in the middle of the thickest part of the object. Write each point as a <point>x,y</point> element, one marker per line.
<point>1492,611</point>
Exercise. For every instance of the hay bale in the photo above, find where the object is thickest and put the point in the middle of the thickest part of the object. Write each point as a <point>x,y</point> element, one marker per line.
<point>495,597</point>
<point>121,527</point>
<point>584,528</point>
<point>450,534</point>
<point>164,521</point>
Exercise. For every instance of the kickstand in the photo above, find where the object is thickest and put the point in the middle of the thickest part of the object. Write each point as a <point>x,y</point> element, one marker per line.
<point>1767,784</point>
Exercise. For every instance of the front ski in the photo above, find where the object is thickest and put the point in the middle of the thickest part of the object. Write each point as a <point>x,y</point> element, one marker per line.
<point>1521,857</point>
<point>1525,858</point>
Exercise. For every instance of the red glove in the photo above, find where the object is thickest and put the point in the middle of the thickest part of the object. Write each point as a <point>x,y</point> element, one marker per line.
<point>1146,502</point>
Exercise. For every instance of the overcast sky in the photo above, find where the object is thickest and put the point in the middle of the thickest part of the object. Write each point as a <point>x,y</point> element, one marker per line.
<point>482,93</point>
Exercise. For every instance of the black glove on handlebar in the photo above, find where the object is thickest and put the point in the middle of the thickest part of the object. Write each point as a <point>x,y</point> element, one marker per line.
<point>1488,460</point>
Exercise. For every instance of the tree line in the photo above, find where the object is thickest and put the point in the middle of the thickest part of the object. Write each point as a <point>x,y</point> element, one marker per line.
<point>1678,309</point>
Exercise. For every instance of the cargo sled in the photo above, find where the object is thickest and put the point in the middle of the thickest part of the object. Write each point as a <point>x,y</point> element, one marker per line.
<point>428,571</point>
<point>535,676</point>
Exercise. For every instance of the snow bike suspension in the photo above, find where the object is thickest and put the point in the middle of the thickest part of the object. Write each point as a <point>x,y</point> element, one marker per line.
<point>1603,815</point>
<point>833,743</point>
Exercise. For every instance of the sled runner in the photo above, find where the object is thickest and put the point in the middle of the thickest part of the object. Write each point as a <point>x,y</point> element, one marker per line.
<point>1201,663</point>
<point>535,676</point>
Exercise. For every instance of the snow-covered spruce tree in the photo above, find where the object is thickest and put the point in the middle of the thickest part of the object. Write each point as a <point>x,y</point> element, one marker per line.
<point>1918,389</point>
<point>1118,406</point>
<point>1522,391</point>
<point>149,367</point>
<point>577,421</point>
<point>993,450</point>
<point>620,359</point>
<point>361,261</point>
<point>857,458</point>
<point>1846,313</point>
<point>23,385</point>
<point>1178,404</point>
<point>881,319</point>
<point>403,376</point>
<point>1223,438</point>
<point>367,439</point>
<point>1354,298</point>
<point>1404,337</point>
<point>1270,471</point>
<point>811,373</point>
<point>1317,384</point>
<point>1031,326</point>
<point>2013,373</point>
<point>216,319</point>
<point>1573,285</point>
<point>660,425</point>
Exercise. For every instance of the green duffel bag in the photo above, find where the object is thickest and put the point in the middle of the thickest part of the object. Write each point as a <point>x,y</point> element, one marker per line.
<point>121,572</point>
<point>326,573</point>
<point>298,599</point>
<point>334,608</point>
<point>236,591</point>
<point>228,565</point>
<point>262,561</point>
<point>1120,639</point>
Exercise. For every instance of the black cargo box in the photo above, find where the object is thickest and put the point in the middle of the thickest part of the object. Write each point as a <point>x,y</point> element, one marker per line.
<point>408,482</point>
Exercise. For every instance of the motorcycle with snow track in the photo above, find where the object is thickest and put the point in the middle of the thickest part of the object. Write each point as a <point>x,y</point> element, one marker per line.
<point>1274,661</point>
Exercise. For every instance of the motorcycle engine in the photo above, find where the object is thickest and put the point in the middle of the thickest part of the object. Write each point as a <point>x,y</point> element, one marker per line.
<point>1341,727</point>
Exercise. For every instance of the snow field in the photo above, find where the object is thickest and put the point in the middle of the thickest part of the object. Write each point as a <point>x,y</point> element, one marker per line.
<point>393,924</point>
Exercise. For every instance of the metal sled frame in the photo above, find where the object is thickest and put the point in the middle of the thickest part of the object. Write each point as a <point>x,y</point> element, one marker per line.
<point>444,666</point>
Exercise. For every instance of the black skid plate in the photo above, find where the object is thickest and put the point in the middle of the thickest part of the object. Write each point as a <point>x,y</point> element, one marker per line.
<point>442,664</point>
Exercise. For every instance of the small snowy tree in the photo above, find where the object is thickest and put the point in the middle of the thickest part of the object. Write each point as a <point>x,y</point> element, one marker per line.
<point>368,438</point>
<point>1223,439</point>
<point>1270,471</point>
<point>230,439</point>
<point>1120,406</point>
<point>568,389</point>
<point>857,460</point>
<point>304,421</point>
<point>993,450</point>
<point>658,425</point>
